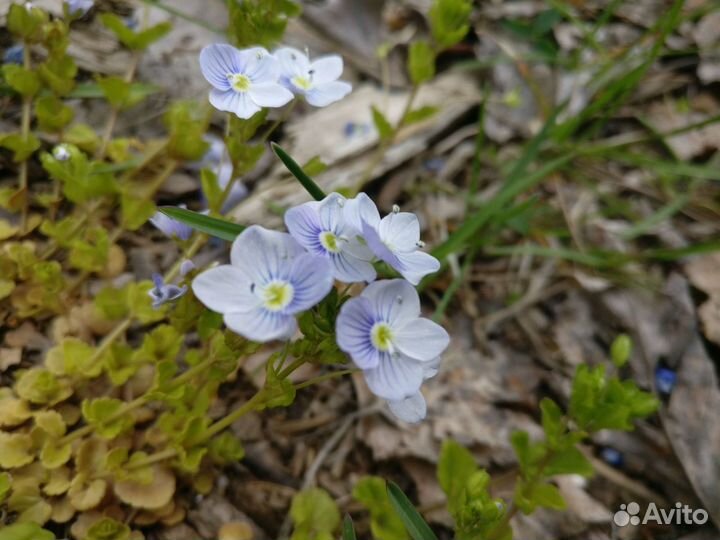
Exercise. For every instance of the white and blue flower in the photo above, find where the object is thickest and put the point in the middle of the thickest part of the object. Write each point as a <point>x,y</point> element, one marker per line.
<point>162,292</point>
<point>320,228</point>
<point>396,349</point>
<point>394,239</point>
<point>271,278</point>
<point>244,81</point>
<point>317,81</point>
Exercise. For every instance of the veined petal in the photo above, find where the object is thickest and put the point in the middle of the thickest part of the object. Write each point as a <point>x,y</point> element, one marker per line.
<point>293,63</point>
<point>225,289</point>
<point>431,368</point>
<point>303,223</point>
<point>416,265</point>
<point>350,269</point>
<point>219,60</point>
<point>326,69</point>
<point>270,94</point>
<point>421,339</point>
<point>353,327</point>
<point>378,247</point>
<point>361,209</point>
<point>331,212</point>
<point>394,301</point>
<point>322,95</point>
<point>395,378</point>
<point>400,231</point>
<point>234,102</point>
<point>260,66</point>
<point>312,278</point>
<point>262,325</point>
<point>411,409</point>
<point>264,255</point>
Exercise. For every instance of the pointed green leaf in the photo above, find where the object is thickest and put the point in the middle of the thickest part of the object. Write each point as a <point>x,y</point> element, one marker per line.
<point>348,529</point>
<point>219,228</point>
<point>414,523</point>
<point>308,183</point>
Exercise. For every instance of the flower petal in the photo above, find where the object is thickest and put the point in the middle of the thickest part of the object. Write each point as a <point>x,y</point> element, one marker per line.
<point>416,265</point>
<point>421,339</point>
<point>376,245</point>
<point>401,231</point>
<point>264,255</point>
<point>394,301</point>
<point>238,192</point>
<point>322,95</point>
<point>312,278</point>
<point>395,378</point>
<point>411,409</point>
<point>303,223</point>
<point>326,69</point>
<point>361,209</point>
<point>331,212</point>
<point>217,61</point>
<point>350,269</point>
<point>353,327</point>
<point>260,66</point>
<point>293,63</point>
<point>225,289</point>
<point>270,94</point>
<point>262,325</point>
<point>234,102</point>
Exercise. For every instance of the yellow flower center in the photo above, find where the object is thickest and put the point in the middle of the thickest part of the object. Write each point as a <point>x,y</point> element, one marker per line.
<point>239,82</point>
<point>302,82</point>
<point>329,241</point>
<point>381,336</point>
<point>277,295</point>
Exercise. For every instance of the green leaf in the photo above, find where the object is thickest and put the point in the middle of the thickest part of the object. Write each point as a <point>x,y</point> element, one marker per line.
<point>314,166</point>
<point>92,90</point>
<point>91,252</point>
<point>419,115</point>
<point>621,349</point>
<point>26,23</point>
<point>219,228</point>
<point>25,531</point>
<point>348,529</point>
<point>187,123</point>
<point>552,421</point>
<point>37,385</point>
<point>308,183</point>
<point>414,523</point>
<point>52,114</point>
<point>135,211</point>
<point>383,126</point>
<point>260,22</point>
<point>131,39</point>
<point>103,415</point>
<point>315,515</point>
<point>450,21</point>
<point>16,450</point>
<point>22,148</point>
<point>455,466</point>
<point>115,89</point>
<point>24,81</point>
<point>58,73</point>
<point>545,496</point>
<point>385,524</point>
<point>421,62</point>
<point>108,529</point>
<point>211,189</point>
<point>568,461</point>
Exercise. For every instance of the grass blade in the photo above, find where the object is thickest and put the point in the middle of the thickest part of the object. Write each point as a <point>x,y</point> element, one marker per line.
<point>219,228</point>
<point>348,529</point>
<point>411,518</point>
<point>308,183</point>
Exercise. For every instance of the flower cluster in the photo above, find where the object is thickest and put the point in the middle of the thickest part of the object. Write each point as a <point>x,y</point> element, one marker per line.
<point>273,276</point>
<point>245,81</point>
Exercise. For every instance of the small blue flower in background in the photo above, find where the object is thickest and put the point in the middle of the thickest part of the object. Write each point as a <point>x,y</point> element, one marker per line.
<point>269,280</point>
<point>665,380</point>
<point>163,292</point>
<point>171,227</point>
<point>186,267</point>
<point>394,239</point>
<point>61,152</point>
<point>397,350</point>
<point>317,80</point>
<point>612,456</point>
<point>14,55</point>
<point>78,8</point>
<point>320,228</point>
<point>217,159</point>
<point>244,81</point>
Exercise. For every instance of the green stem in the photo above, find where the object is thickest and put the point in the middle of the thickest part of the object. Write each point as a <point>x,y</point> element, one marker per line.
<point>325,377</point>
<point>25,130</point>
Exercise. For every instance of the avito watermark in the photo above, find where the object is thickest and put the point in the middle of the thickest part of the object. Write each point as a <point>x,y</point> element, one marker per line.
<point>681,514</point>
